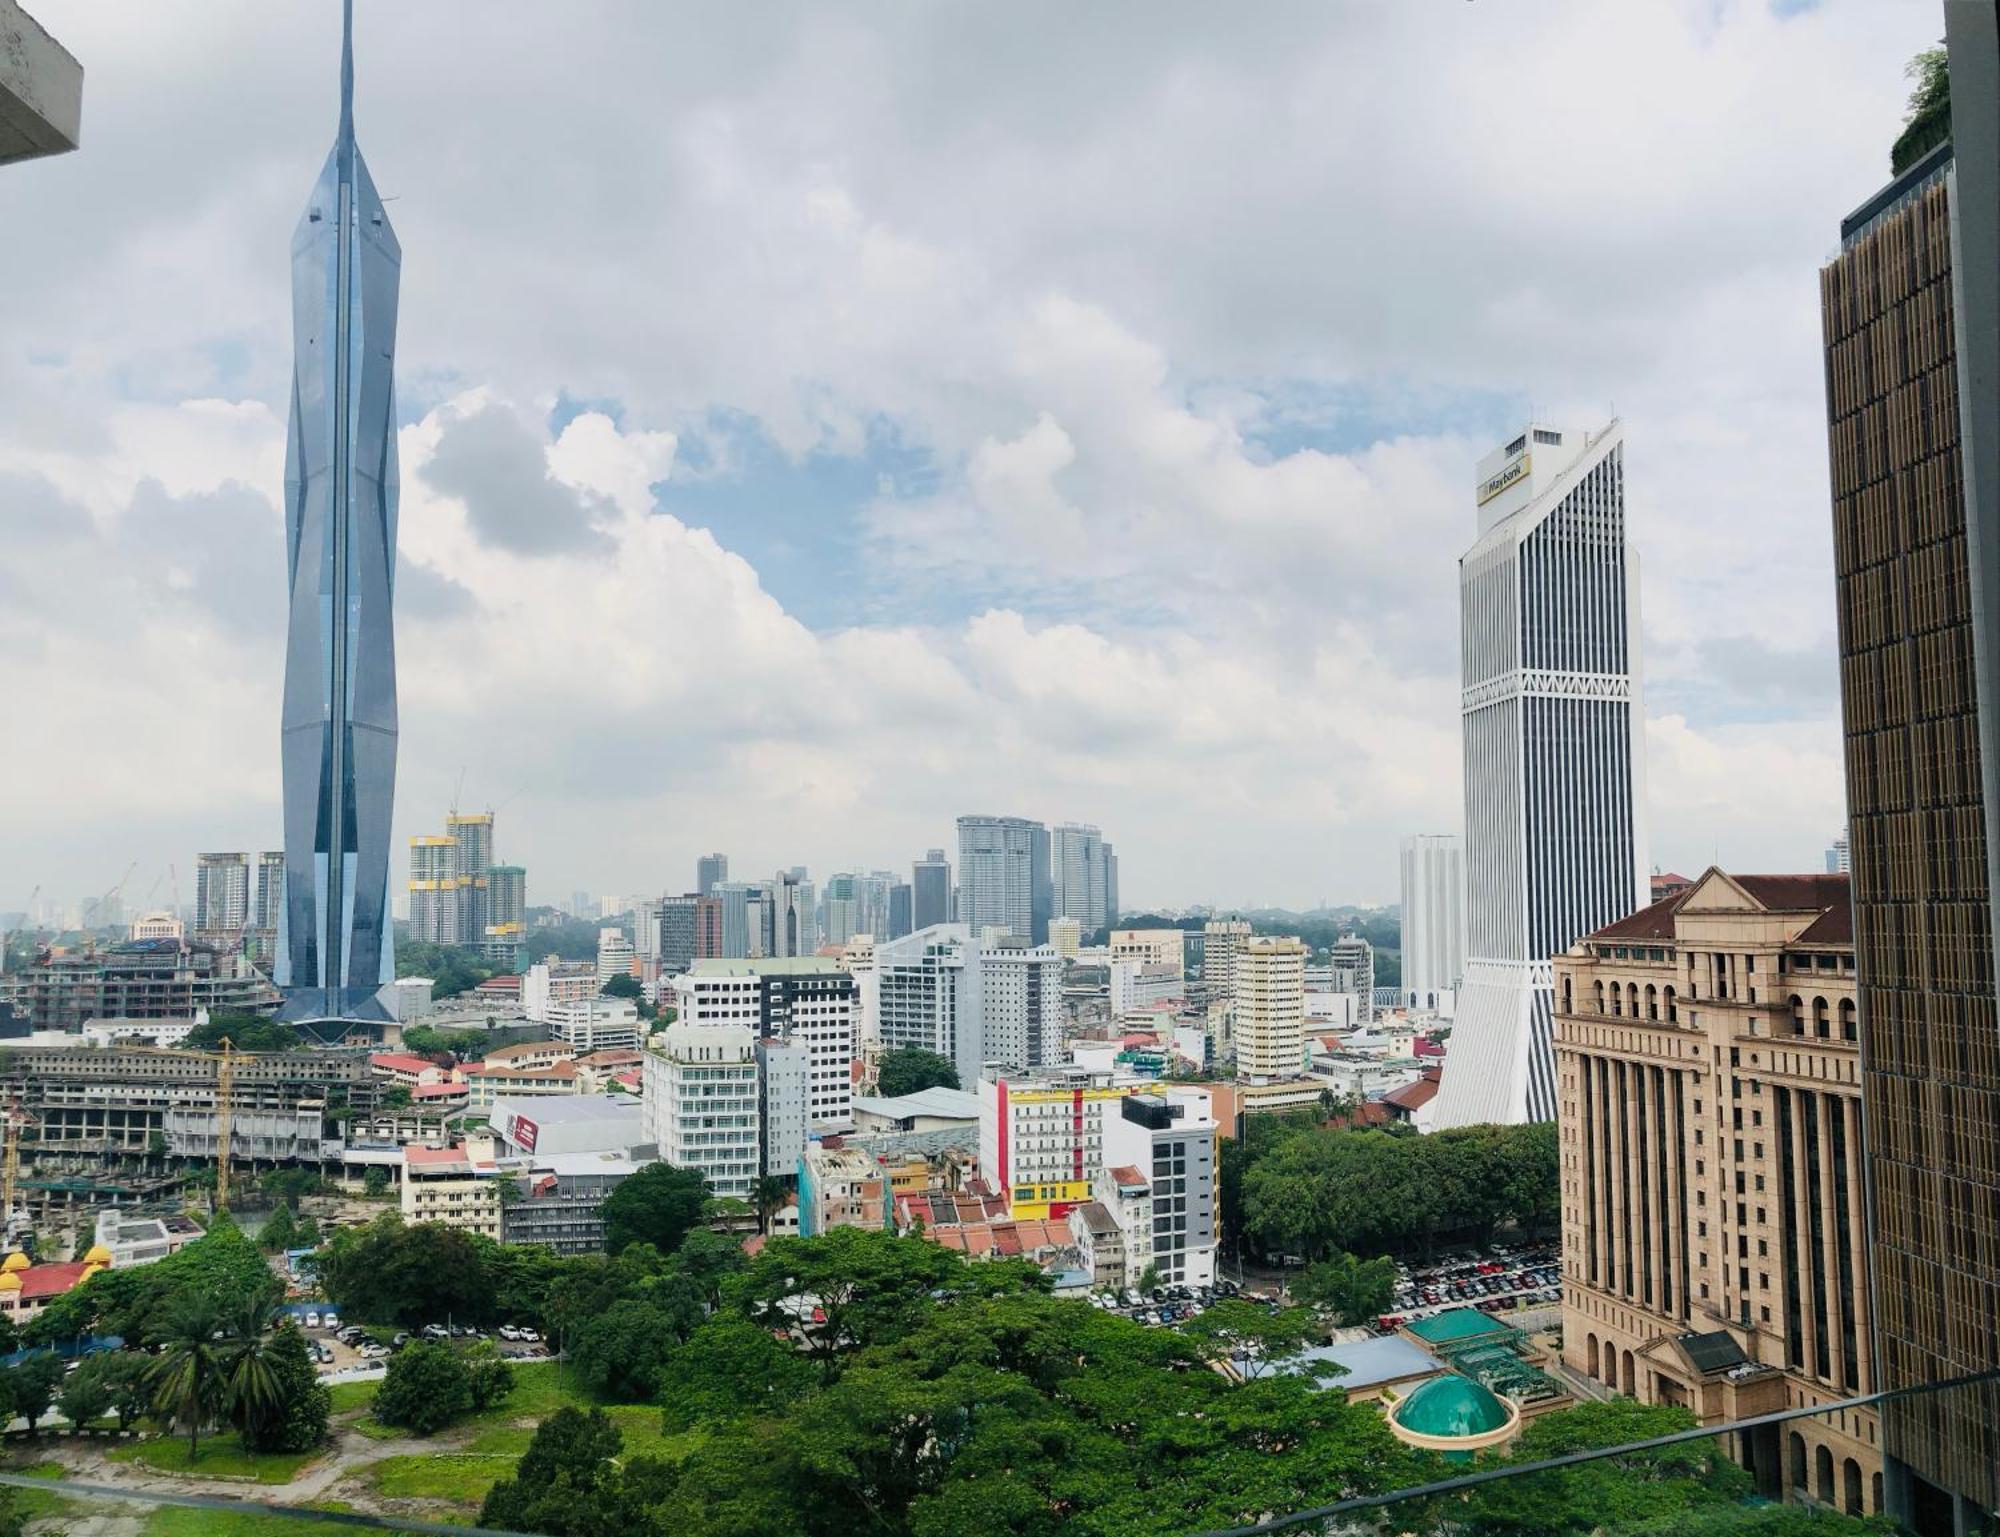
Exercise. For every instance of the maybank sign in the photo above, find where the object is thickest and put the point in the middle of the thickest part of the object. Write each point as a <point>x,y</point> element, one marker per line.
<point>1518,470</point>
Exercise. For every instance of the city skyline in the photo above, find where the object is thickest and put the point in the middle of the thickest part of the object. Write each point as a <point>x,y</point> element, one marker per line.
<point>1352,440</point>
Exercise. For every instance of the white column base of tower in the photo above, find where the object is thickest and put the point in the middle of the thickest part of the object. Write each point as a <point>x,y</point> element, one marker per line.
<point>1500,1065</point>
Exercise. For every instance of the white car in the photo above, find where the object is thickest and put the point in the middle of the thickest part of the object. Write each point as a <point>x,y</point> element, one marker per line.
<point>312,1320</point>
<point>509,1332</point>
<point>330,1319</point>
<point>525,1333</point>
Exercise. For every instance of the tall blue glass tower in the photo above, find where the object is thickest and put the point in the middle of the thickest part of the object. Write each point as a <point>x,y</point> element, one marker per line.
<point>335,944</point>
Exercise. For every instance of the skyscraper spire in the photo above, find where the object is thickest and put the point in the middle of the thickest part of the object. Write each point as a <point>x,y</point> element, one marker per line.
<point>336,946</point>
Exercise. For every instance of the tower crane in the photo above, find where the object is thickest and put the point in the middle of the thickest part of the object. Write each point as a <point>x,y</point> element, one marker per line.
<point>225,1090</point>
<point>17,1122</point>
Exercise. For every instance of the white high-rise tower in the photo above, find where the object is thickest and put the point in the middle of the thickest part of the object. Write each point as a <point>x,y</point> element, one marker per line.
<point>1555,835</point>
<point>1433,920</point>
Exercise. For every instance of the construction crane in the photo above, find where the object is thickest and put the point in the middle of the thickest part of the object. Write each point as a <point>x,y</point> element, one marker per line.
<point>225,1089</point>
<point>10,1167</point>
<point>104,902</point>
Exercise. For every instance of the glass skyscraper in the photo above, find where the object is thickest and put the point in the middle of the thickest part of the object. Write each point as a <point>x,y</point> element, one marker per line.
<point>336,948</point>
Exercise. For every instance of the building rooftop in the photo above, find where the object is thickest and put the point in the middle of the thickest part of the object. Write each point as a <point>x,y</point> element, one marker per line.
<point>506,1056</point>
<point>400,1062</point>
<point>1414,1096</point>
<point>570,1109</point>
<point>522,1074</point>
<point>1367,1363</point>
<point>1455,1325</point>
<point>1126,1176</point>
<point>1826,895</point>
<point>941,1103</point>
<point>774,966</point>
<point>1096,1220</point>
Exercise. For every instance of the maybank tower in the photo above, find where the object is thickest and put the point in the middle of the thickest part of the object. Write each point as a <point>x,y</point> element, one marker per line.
<point>1555,831</point>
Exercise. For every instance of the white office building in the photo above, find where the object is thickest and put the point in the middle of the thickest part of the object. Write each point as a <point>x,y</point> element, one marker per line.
<point>1137,985</point>
<point>1433,920</point>
<point>784,1091</point>
<point>614,955</point>
<point>701,1101</point>
<point>927,995</point>
<point>809,1000</point>
<point>595,1024</point>
<point>1167,1139</point>
<point>1020,1004</point>
<point>1270,1009</point>
<point>550,984</point>
<point>1555,836</point>
<point>1353,967</point>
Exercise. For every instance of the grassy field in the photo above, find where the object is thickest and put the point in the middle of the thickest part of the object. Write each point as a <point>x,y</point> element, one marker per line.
<point>535,1397</point>
<point>353,1395</point>
<point>461,1478</point>
<point>219,1457</point>
<point>36,1503</point>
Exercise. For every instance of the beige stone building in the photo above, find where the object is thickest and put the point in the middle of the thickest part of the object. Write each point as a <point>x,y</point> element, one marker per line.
<point>1709,1102</point>
<point>1270,991</point>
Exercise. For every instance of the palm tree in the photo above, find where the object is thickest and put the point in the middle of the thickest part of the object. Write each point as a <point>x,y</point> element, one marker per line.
<point>187,1377</point>
<point>770,1192</point>
<point>250,1385</point>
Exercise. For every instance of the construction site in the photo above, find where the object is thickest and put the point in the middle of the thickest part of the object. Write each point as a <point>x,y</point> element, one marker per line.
<point>139,1127</point>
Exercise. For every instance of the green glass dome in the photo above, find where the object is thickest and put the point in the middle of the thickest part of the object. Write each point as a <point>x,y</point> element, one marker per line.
<point>1451,1406</point>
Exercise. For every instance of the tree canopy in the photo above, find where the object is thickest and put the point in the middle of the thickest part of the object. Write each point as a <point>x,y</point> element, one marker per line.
<point>1293,1187</point>
<point>659,1205</point>
<point>910,1069</point>
<point>137,1302</point>
<point>246,1031</point>
<point>1928,121</point>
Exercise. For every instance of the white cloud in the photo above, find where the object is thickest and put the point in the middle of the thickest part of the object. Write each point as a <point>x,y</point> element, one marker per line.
<point>1095,264</point>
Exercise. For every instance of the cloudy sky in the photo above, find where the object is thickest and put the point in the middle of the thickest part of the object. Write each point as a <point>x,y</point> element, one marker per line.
<point>819,422</point>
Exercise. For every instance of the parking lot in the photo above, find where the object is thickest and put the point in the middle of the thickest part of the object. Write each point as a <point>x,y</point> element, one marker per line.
<point>349,1351</point>
<point>1168,1304</point>
<point>1495,1280</point>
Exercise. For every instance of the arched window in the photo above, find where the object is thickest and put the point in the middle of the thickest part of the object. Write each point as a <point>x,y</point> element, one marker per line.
<point>1796,1458</point>
<point>1568,1007</point>
<point>1850,1491</point>
<point>1632,998</point>
<point>1600,997</point>
<point>1673,1010</point>
<point>1821,1027</point>
<point>1631,1386</point>
<point>1848,1029</point>
<point>1590,1355</point>
<point>1798,1015</point>
<point>1823,1469</point>
<point>1652,1001</point>
<point>1617,999</point>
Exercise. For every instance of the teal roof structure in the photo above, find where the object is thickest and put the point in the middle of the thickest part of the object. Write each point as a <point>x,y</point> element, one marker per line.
<point>1451,1406</point>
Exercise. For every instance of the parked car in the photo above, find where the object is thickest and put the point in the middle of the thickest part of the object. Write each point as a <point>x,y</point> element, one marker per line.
<point>330,1319</point>
<point>312,1318</point>
<point>399,1341</point>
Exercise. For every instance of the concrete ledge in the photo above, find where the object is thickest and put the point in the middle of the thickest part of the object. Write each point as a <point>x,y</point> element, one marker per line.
<point>41,90</point>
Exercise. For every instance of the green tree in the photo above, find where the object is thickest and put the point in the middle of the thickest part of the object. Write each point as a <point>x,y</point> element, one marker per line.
<point>87,1395</point>
<point>659,1205</point>
<point>125,1375</point>
<point>188,1376</point>
<point>410,1274</point>
<point>286,1407</point>
<point>1354,1290</point>
<point>245,1031</point>
<point>849,1287</point>
<point>620,1353</point>
<point>564,1482</point>
<point>731,1369</point>
<point>1928,121</point>
<point>1671,1482</point>
<point>624,985</point>
<point>375,1183</point>
<point>32,1384</point>
<point>909,1069</point>
<point>279,1232</point>
<point>489,1377</point>
<point>1256,1339</point>
<point>426,1388</point>
<point>138,1303</point>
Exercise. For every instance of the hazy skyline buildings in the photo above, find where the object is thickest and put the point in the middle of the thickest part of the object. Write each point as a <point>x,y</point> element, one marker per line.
<point>1083,871</point>
<point>710,871</point>
<point>1555,814</point>
<point>1433,917</point>
<point>336,945</point>
<point>930,891</point>
<point>1004,876</point>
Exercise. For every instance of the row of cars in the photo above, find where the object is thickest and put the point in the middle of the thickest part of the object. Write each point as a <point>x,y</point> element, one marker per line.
<point>1501,1278</point>
<point>1164,1304</point>
<point>372,1353</point>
